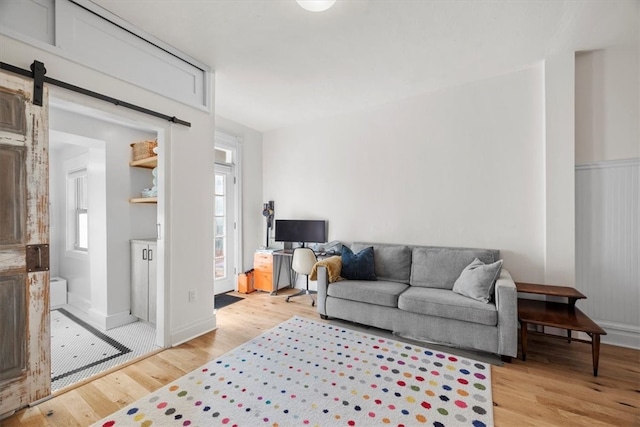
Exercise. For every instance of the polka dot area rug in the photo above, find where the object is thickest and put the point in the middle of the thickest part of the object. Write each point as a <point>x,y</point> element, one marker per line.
<point>305,373</point>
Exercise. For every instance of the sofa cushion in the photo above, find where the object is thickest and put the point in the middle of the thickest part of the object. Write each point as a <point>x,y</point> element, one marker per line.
<point>477,280</point>
<point>372,292</point>
<point>358,266</point>
<point>439,267</point>
<point>392,262</point>
<point>447,304</point>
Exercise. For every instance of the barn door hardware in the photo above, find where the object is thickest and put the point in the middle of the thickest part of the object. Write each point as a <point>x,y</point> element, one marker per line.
<point>37,258</point>
<point>38,72</point>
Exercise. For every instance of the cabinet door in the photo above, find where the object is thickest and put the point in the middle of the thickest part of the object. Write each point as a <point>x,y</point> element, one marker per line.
<point>263,281</point>
<point>153,285</point>
<point>139,280</point>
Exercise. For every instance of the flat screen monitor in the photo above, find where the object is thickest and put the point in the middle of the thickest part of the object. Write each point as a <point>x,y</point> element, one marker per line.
<point>301,230</point>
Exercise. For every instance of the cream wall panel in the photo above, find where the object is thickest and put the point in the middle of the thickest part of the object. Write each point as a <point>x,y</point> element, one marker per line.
<point>114,51</point>
<point>608,246</point>
<point>34,18</point>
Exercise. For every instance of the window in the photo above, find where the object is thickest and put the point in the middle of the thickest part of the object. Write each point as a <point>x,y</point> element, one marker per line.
<point>220,254</point>
<point>78,212</point>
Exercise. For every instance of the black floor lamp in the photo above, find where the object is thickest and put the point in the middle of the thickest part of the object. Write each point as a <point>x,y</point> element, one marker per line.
<point>267,212</point>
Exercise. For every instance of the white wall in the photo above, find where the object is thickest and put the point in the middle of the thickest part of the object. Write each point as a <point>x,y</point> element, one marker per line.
<point>187,221</point>
<point>252,219</point>
<point>559,149</point>
<point>607,104</point>
<point>607,196</point>
<point>459,167</point>
<point>75,269</point>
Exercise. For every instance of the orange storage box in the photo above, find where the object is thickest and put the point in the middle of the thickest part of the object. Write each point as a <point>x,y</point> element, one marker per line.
<point>245,282</point>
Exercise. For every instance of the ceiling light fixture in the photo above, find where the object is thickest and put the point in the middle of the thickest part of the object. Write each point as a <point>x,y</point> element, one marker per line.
<point>315,5</point>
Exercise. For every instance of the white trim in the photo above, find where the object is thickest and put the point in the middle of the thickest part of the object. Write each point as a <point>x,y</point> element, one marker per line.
<point>620,334</point>
<point>78,302</point>
<point>116,20</point>
<point>230,279</point>
<point>617,334</point>
<point>163,262</point>
<point>609,164</point>
<point>73,167</point>
<point>224,167</point>
<point>106,112</point>
<point>110,321</point>
<point>206,104</point>
<point>234,143</point>
<point>193,330</point>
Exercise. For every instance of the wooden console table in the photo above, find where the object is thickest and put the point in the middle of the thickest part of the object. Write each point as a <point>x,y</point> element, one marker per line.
<point>559,315</point>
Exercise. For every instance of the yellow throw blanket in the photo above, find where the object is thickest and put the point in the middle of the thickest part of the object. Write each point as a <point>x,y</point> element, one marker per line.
<point>334,267</point>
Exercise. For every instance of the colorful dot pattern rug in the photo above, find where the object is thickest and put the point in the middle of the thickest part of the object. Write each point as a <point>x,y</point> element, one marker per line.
<point>305,373</point>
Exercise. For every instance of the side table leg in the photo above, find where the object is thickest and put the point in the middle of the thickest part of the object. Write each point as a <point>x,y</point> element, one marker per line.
<point>569,336</point>
<point>523,340</point>
<point>595,350</point>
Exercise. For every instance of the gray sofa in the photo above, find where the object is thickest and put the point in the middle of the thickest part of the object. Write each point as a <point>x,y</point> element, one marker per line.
<point>413,298</point>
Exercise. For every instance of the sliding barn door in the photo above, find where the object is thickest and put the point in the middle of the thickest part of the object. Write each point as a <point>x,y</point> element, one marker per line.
<point>25,366</point>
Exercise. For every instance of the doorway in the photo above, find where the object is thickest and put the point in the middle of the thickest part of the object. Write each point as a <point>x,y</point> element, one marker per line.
<point>226,228</point>
<point>224,268</point>
<point>93,224</point>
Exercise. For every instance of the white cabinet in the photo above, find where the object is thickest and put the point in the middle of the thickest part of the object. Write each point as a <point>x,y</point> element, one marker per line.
<point>143,279</point>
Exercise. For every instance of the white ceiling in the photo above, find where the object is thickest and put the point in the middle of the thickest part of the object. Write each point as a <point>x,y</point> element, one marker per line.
<point>277,65</point>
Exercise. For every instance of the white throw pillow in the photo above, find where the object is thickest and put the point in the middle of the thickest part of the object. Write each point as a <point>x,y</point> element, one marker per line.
<point>477,280</point>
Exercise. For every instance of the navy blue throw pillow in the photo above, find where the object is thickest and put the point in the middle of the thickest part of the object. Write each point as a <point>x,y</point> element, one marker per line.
<point>358,266</point>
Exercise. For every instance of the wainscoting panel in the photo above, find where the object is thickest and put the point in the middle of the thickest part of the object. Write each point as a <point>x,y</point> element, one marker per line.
<point>607,247</point>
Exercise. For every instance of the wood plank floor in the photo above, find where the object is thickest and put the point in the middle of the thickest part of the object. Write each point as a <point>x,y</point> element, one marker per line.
<point>554,387</point>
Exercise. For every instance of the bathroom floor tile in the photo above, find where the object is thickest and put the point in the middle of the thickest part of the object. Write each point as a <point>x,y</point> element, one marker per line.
<point>79,350</point>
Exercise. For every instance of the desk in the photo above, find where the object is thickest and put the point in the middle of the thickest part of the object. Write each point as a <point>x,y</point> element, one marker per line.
<point>286,256</point>
<point>263,265</point>
<point>559,315</point>
<point>264,262</point>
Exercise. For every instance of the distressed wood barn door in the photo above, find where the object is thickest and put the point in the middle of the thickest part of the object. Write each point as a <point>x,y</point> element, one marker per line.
<point>25,366</point>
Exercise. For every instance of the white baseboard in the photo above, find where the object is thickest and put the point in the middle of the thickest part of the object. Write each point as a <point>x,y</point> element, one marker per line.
<point>78,302</point>
<point>110,321</point>
<point>193,330</point>
<point>618,334</point>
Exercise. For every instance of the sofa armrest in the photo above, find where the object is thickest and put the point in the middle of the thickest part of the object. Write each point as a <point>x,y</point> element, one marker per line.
<point>506,298</point>
<point>323,284</point>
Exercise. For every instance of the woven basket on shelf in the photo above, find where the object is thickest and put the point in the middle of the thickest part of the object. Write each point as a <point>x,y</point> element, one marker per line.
<point>143,149</point>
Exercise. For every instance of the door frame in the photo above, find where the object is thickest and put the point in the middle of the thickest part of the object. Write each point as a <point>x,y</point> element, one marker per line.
<point>227,171</point>
<point>234,144</point>
<point>96,109</point>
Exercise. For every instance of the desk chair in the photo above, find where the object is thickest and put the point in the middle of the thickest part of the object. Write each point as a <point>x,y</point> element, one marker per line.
<point>302,263</point>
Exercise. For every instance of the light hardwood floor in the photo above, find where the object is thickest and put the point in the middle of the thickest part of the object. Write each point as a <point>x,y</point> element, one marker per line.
<point>554,387</point>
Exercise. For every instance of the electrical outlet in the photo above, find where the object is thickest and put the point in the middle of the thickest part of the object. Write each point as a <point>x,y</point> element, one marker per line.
<point>192,295</point>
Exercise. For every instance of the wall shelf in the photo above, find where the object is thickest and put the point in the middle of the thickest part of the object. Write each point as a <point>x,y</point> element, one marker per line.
<point>144,200</point>
<point>149,163</point>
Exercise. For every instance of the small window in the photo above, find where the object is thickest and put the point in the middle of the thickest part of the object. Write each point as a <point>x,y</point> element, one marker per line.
<point>78,212</point>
